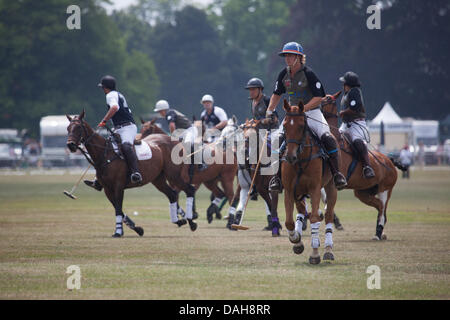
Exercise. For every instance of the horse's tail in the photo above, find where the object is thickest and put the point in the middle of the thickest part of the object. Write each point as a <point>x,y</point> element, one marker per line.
<point>398,164</point>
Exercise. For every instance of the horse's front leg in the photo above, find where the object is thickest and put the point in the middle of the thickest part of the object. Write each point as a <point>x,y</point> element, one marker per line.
<point>315,225</point>
<point>276,226</point>
<point>331,194</point>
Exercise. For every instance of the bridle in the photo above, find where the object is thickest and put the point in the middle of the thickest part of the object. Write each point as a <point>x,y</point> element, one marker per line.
<point>327,114</point>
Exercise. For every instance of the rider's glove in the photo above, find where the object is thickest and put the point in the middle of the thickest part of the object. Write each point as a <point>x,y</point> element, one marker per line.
<point>102,124</point>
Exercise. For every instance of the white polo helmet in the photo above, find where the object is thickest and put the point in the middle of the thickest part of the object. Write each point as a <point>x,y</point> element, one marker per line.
<point>207,97</point>
<point>161,105</point>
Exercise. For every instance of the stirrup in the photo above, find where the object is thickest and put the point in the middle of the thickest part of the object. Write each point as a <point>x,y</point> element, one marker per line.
<point>93,184</point>
<point>339,181</point>
<point>275,184</point>
<point>370,173</point>
<point>136,177</point>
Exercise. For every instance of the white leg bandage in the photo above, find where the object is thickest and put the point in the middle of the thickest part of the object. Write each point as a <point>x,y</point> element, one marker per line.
<point>329,235</point>
<point>315,241</point>
<point>299,223</point>
<point>173,212</point>
<point>189,206</point>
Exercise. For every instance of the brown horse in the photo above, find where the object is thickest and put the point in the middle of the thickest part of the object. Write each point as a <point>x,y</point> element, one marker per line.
<point>214,173</point>
<point>112,171</point>
<point>304,173</point>
<point>365,190</point>
<point>261,181</point>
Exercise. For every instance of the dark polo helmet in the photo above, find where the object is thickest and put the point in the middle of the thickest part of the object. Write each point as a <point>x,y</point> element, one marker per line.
<point>351,79</point>
<point>108,82</point>
<point>254,83</point>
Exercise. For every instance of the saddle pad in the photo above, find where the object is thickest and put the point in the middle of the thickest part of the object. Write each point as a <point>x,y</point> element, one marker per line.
<point>143,151</point>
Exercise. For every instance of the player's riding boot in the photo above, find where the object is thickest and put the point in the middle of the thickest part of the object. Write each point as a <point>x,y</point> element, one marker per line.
<point>131,159</point>
<point>237,219</point>
<point>330,146</point>
<point>361,147</point>
<point>94,184</point>
<point>269,223</point>
<point>254,194</point>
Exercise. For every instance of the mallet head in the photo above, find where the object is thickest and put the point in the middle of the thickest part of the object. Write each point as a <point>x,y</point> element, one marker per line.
<point>67,193</point>
<point>239,227</point>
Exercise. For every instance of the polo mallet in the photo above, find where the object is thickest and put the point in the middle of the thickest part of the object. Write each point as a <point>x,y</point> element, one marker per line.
<point>240,226</point>
<point>70,194</point>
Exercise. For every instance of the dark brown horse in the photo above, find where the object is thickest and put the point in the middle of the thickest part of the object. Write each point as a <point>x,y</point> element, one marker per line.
<point>112,171</point>
<point>217,172</point>
<point>366,190</point>
<point>304,173</point>
<point>261,181</point>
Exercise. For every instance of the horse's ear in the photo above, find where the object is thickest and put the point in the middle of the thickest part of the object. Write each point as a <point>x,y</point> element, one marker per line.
<point>69,117</point>
<point>153,121</point>
<point>81,116</point>
<point>286,106</point>
<point>234,119</point>
<point>194,118</point>
<point>337,94</point>
<point>142,120</point>
<point>301,106</point>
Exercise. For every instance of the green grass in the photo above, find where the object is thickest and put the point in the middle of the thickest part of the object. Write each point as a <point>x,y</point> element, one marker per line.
<point>42,232</point>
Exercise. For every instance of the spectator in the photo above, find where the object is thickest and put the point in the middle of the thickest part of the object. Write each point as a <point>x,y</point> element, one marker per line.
<point>405,159</point>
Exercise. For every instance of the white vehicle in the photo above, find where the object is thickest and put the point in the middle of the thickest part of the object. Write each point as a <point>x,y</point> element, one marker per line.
<point>53,142</point>
<point>10,148</point>
<point>427,132</point>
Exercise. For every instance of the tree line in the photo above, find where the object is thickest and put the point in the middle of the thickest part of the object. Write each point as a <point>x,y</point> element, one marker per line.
<point>165,49</point>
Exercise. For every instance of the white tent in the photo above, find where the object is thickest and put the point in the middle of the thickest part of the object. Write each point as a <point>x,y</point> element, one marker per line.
<point>387,115</point>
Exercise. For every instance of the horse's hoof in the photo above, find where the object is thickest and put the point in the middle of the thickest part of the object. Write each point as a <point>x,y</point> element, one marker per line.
<point>328,256</point>
<point>275,232</point>
<point>321,216</point>
<point>139,231</point>
<point>181,223</point>
<point>194,215</point>
<point>375,238</point>
<point>209,213</point>
<point>383,237</point>
<point>296,238</point>
<point>218,215</point>
<point>298,248</point>
<point>314,260</point>
<point>339,227</point>
<point>192,225</point>
<point>117,235</point>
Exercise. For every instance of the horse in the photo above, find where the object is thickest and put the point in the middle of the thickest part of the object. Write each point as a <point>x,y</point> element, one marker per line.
<point>246,173</point>
<point>304,172</point>
<point>112,170</point>
<point>214,173</point>
<point>365,190</point>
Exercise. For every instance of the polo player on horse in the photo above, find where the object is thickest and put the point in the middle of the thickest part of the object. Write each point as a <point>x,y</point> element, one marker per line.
<point>124,126</point>
<point>354,119</point>
<point>302,85</point>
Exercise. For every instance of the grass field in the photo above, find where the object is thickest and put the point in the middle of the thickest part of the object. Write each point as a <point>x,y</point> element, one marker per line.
<point>42,232</point>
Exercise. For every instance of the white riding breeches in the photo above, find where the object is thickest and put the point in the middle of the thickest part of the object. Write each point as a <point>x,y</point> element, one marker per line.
<point>127,133</point>
<point>356,129</point>
<point>317,123</point>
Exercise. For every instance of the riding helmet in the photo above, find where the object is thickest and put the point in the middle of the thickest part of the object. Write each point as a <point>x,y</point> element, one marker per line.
<point>254,83</point>
<point>351,79</point>
<point>292,47</point>
<point>108,82</point>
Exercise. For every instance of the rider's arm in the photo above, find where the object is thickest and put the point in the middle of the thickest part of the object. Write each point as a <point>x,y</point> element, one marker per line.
<point>354,101</point>
<point>346,112</point>
<point>111,112</point>
<point>172,127</point>
<point>276,96</point>
<point>221,114</point>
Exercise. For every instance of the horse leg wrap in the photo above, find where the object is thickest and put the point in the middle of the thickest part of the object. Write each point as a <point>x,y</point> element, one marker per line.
<point>189,206</point>
<point>299,223</point>
<point>329,235</point>
<point>119,228</point>
<point>130,223</point>
<point>173,212</point>
<point>315,241</point>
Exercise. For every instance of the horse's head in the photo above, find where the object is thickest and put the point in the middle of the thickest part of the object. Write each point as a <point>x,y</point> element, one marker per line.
<point>329,107</point>
<point>78,131</point>
<point>294,128</point>
<point>148,128</point>
<point>250,127</point>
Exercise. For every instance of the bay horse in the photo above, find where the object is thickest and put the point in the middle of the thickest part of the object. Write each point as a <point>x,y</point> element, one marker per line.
<point>112,171</point>
<point>216,172</point>
<point>366,190</point>
<point>304,173</point>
